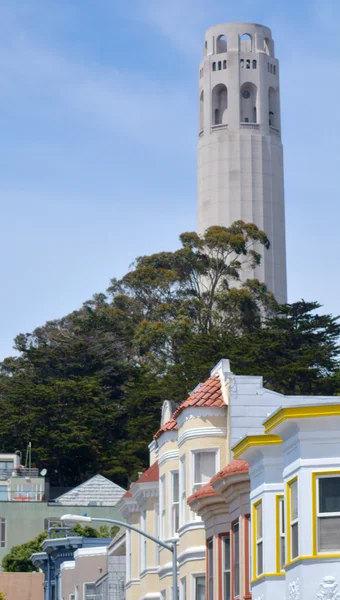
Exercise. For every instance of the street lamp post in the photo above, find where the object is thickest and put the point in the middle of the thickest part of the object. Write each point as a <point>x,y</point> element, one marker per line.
<point>71,519</point>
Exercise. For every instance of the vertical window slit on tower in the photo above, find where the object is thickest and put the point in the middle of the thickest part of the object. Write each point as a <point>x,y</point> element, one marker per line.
<point>248,64</point>
<point>254,64</point>
<point>214,66</point>
<point>219,66</point>
<point>224,64</point>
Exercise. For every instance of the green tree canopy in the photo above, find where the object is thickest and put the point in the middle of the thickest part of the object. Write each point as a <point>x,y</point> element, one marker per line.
<point>86,389</point>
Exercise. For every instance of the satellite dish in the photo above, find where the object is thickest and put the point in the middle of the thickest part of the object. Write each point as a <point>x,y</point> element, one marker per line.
<point>43,472</point>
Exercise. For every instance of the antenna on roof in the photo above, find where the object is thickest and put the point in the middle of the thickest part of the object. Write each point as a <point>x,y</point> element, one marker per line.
<point>28,461</point>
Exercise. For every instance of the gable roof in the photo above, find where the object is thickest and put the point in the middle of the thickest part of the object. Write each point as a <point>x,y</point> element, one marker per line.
<point>97,491</point>
<point>151,474</point>
<point>208,393</point>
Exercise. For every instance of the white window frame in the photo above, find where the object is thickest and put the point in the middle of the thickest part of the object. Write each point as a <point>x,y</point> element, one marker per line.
<point>84,590</point>
<point>320,515</point>
<point>210,571</point>
<point>183,589</point>
<point>194,577</point>
<point>128,555</point>
<point>195,485</point>
<point>174,505</point>
<point>157,547</point>
<point>162,508</point>
<point>226,596</point>
<point>182,490</point>
<point>143,539</point>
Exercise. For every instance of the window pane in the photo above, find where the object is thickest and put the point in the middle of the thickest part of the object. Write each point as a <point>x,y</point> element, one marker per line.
<point>259,562</point>
<point>329,534</point>
<point>236,538</point>
<point>200,588</point>
<point>329,494</point>
<point>282,516</point>
<point>175,487</point>
<point>226,557</point>
<point>295,540</point>
<point>226,591</point>
<point>259,521</point>
<point>204,466</point>
<point>282,552</point>
<point>294,501</point>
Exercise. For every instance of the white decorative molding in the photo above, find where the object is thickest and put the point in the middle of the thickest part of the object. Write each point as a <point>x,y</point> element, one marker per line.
<point>329,589</point>
<point>294,590</point>
<point>192,434</point>
<point>190,554</point>
<point>170,455</point>
<point>198,412</point>
<point>191,526</point>
<point>131,583</point>
<point>167,436</point>
<point>259,597</point>
<point>165,570</point>
<point>151,596</point>
<point>96,551</point>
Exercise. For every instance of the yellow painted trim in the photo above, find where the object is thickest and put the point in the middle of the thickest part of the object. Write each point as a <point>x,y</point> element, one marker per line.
<point>255,440</point>
<point>266,575</point>
<point>289,559</point>
<point>301,412</point>
<point>315,477</point>
<point>279,497</point>
<point>319,557</point>
<point>254,536</point>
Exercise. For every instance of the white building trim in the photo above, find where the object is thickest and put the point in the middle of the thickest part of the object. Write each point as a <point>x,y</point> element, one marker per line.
<point>192,434</point>
<point>193,553</point>
<point>97,551</point>
<point>170,455</point>
<point>197,412</point>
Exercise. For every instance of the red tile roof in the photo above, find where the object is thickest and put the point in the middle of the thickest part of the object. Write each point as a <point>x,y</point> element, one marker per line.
<point>151,474</point>
<point>127,494</point>
<point>168,426</point>
<point>207,394</point>
<point>204,492</point>
<point>235,466</point>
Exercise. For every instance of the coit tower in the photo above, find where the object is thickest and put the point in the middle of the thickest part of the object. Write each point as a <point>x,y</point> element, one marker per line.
<point>240,155</point>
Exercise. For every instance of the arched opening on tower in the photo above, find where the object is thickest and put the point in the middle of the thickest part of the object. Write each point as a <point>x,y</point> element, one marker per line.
<point>273,108</point>
<point>246,42</point>
<point>268,46</point>
<point>221,44</point>
<point>248,103</point>
<point>202,111</point>
<point>220,105</point>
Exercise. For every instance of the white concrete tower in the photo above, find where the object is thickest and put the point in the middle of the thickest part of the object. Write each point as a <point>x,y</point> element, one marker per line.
<point>240,155</point>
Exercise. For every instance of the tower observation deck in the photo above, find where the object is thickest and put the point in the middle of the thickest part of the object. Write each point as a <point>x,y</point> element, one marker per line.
<point>240,154</point>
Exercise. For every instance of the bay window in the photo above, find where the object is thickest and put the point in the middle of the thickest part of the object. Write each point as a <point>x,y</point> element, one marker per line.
<point>205,468</point>
<point>328,513</point>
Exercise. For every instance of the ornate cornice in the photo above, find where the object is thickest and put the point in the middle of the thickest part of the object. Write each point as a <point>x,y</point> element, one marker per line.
<point>191,434</point>
<point>199,412</point>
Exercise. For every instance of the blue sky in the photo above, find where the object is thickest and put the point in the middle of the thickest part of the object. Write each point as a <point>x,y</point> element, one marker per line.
<point>98,143</point>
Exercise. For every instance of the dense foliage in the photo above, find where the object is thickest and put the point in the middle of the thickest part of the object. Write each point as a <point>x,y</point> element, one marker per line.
<point>86,389</point>
<point>18,559</point>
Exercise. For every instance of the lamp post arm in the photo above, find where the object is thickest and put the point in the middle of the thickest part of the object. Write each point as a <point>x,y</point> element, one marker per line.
<point>127,526</point>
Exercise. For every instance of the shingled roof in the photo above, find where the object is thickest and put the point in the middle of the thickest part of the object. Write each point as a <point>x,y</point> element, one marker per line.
<point>97,491</point>
<point>206,394</point>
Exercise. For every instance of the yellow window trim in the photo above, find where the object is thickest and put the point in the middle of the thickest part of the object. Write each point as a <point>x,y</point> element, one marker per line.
<point>301,412</point>
<point>315,477</point>
<point>254,536</point>
<point>288,521</point>
<point>255,440</point>
<point>266,575</point>
<point>279,497</point>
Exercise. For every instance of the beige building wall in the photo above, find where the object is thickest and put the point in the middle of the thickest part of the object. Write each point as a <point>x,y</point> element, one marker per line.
<point>88,565</point>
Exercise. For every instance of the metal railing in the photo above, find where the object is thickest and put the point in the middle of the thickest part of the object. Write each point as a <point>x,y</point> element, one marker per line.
<point>18,472</point>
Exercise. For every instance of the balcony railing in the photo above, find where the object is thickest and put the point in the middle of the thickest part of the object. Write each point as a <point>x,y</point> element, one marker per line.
<point>250,125</point>
<point>8,473</point>
<point>217,127</point>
